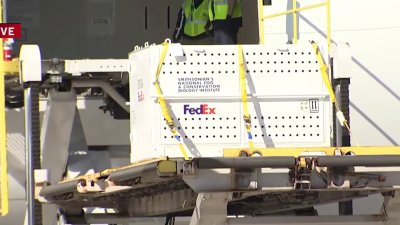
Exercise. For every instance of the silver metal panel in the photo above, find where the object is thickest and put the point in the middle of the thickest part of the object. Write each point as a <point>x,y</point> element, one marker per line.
<point>225,180</point>
<point>288,100</point>
<point>56,133</point>
<point>211,208</point>
<point>90,114</point>
<point>100,134</point>
<point>16,215</point>
<point>77,67</point>
<point>162,203</point>
<point>80,161</point>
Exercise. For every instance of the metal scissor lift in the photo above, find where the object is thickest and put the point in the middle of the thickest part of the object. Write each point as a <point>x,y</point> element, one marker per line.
<point>253,182</point>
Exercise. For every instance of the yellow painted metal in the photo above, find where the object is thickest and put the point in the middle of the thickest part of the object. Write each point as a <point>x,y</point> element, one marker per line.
<point>3,134</point>
<point>328,24</point>
<point>324,73</point>
<point>278,14</point>
<point>330,151</point>
<point>167,166</point>
<point>3,152</point>
<point>261,21</point>
<point>8,67</point>
<point>294,14</point>
<point>302,163</point>
<point>107,172</point>
<point>297,10</point>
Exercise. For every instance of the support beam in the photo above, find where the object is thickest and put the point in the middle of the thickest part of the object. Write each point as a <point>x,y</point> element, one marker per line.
<point>64,148</point>
<point>106,88</point>
<point>391,209</point>
<point>211,209</point>
<point>56,130</point>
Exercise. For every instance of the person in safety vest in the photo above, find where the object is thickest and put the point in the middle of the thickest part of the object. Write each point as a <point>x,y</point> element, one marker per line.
<point>226,18</point>
<point>193,25</point>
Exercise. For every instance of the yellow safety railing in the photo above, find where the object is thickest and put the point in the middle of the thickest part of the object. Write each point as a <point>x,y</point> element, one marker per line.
<point>294,11</point>
<point>3,151</point>
<point>3,133</point>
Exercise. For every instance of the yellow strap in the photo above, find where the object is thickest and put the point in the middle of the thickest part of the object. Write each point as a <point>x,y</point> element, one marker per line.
<point>328,85</point>
<point>324,73</point>
<point>183,150</point>
<point>246,114</point>
<point>3,151</point>
<point>163,104</point>
<point>162,58</point>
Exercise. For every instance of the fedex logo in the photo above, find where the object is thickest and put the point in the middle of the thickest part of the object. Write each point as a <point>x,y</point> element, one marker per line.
<point>203,109</point>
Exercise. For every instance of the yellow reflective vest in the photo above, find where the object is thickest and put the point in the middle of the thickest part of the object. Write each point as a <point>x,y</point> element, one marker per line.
<point>195,18</point>
<point>218,9</point>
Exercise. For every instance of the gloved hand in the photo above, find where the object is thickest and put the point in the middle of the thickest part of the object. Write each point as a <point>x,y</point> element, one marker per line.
<point>228,23</point>
<point>208,28</point>
<point>176,37</point>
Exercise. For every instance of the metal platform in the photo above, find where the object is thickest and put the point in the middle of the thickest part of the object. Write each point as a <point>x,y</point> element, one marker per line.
<point>256,185</point>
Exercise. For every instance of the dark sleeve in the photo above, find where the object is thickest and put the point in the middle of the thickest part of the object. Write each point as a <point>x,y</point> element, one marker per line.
<point>180,23</point>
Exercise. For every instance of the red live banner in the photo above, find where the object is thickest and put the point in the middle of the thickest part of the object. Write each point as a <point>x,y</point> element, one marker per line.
<point>10,30</point>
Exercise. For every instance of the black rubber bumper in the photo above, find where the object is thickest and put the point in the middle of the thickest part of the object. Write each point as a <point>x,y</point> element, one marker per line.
<point>245,162</point>
<point>367,160</point>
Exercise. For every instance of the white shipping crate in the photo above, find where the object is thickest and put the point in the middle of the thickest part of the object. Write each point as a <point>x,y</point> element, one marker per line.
<point>288,101</point>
